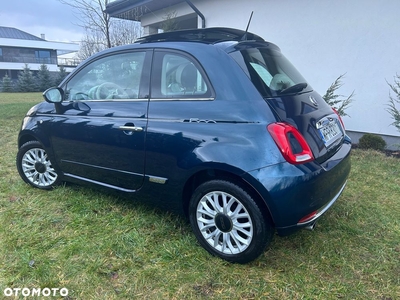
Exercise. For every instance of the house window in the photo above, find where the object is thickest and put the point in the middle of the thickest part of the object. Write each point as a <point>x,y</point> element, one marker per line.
<point>42,56</point>
<point>1,54</point>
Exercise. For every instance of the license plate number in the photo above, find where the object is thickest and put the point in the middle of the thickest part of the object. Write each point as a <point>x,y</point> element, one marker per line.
<point>330,132</point>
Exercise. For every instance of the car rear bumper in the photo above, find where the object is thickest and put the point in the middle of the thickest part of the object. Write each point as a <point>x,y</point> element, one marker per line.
<point>310,223</point>
<point>322,210</point>
<point>294,192</point>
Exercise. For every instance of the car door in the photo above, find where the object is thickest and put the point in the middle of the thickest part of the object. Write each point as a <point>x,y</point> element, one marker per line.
<point>98,132</point>
<point>180,103</point>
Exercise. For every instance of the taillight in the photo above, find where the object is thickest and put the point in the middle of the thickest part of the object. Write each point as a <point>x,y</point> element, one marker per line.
<point>291,143</point>
<point>340,118</point>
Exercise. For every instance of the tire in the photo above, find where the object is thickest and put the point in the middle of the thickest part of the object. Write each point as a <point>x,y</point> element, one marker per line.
<point>35,167</point>
<point>228,223</point>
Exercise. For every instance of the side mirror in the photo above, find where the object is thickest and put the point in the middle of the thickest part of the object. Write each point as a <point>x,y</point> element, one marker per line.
<point>53,95</point>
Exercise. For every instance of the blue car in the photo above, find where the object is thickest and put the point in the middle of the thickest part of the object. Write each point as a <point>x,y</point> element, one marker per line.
<point>215,124</point>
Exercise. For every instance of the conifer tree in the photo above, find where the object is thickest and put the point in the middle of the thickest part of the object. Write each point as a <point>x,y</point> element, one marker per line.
<point>395,100</point>
<point>7,84</point>
<point>62,73</point>
<point>44,80</point>
<point>26,80</point>
<point>334,100</point>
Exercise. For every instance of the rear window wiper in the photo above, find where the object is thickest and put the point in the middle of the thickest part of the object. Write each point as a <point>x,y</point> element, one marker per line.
<point>297,88</point>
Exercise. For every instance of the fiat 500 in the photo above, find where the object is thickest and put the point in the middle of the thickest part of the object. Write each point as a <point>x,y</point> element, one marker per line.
<point>213,123</point>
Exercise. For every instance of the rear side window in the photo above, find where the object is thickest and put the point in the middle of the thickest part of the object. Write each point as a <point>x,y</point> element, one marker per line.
<point>177,76</point>
<point>271,73</point>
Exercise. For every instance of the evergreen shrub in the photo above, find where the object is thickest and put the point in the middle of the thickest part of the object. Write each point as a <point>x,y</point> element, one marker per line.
<point>372,141</point>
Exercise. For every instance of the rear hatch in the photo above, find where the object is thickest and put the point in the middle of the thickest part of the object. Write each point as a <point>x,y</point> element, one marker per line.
<point>318,123</point>
<point>291,98</point>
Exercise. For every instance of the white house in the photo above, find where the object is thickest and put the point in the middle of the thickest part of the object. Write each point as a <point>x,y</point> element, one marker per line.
<point>323,39</point>
<point>18,48</point>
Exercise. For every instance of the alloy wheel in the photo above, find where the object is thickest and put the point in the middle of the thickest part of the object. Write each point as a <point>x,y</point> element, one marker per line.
<point>37,168</point>
<point>224,222</point>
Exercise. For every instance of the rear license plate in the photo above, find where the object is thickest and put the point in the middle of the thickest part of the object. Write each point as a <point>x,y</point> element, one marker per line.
<point>330,132</point>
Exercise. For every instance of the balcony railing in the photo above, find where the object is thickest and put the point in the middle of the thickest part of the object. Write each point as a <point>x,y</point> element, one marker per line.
<point>65,62</point>
<point>68,62</point>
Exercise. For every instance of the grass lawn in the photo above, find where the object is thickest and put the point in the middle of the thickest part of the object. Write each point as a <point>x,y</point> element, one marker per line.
<point>101,247</point>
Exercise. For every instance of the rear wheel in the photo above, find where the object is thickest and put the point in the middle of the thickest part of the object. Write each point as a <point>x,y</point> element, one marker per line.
<point>228,223</point>
<point>35,167</point>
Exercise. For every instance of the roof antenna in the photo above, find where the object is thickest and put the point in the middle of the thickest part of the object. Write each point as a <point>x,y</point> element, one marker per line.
<point>244,37</point>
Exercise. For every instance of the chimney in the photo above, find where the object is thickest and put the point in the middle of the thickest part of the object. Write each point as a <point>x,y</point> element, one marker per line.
<point>42,36</point>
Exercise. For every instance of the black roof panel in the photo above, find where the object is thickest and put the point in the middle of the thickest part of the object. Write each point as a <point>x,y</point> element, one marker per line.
<point>206,35</point>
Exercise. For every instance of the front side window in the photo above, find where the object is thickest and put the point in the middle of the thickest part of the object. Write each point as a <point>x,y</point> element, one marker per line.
<point>112,77</point>
<point>271,73</point>
<point>176,76</point>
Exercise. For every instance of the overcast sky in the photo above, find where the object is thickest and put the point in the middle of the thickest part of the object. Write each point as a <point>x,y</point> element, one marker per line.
<point>56,20</point>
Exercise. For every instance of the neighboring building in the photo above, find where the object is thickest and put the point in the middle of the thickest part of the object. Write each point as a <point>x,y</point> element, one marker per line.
<point>18,48</point>
<point>323,39</point>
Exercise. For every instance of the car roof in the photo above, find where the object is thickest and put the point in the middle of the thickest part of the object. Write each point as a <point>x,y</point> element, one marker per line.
<point>227,39</point>
<point>211,35</point>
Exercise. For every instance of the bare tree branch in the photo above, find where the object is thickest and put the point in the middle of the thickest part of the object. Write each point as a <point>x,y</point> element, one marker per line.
<point>101,30</point>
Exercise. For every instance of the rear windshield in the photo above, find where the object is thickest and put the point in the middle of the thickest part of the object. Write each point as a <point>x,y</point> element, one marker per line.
<point>271,73</point>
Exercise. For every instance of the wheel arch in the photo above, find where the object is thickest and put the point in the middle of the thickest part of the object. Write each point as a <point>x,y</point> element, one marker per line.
<point>34,134</point>
<point>24,138</point>
<point>212,174</point>
<point>28,136</point>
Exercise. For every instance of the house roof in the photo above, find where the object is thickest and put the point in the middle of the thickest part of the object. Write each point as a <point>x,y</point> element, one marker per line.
<point>13,33</point>
<point>135,9</point>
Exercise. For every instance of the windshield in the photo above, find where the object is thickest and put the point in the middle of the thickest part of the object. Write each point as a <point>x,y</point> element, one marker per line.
<point>271,73</point>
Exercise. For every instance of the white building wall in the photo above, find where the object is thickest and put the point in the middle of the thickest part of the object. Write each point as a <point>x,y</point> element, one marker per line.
<point>32,66</point>
<point>324,39</point>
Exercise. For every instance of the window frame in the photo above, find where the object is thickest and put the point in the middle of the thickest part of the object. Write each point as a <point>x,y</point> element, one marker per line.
<point>43,56</point>
<point>156,78</point>
<point>144,85</point>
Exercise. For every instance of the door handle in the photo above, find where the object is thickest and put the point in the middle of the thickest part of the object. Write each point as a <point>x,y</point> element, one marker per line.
<point>130,128</point>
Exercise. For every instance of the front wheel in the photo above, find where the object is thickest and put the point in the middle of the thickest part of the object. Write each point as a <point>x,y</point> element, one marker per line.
<point>228,223</point>
<point>35,167</point>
